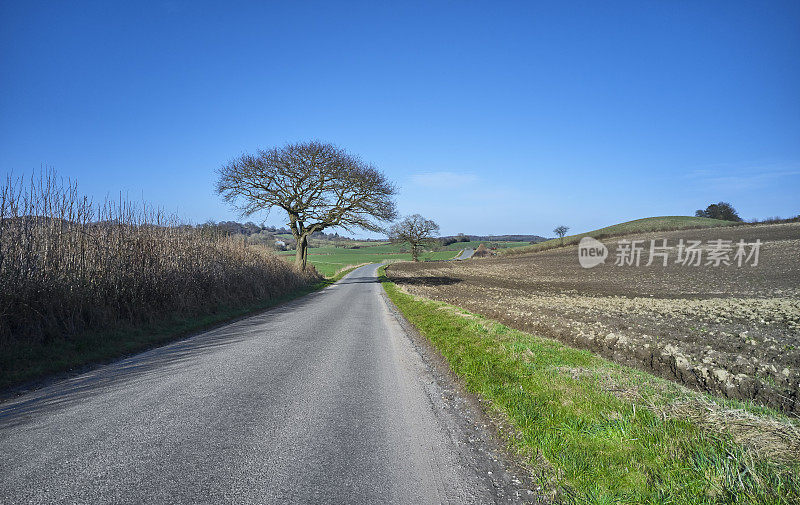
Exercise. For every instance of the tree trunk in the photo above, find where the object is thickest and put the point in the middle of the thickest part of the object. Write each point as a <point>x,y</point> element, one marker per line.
<point>305,255</point>
<point>301,254</point>
<point>298,255</point>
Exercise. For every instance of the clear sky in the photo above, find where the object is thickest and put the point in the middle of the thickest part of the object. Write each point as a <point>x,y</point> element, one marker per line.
<point>492,117</point>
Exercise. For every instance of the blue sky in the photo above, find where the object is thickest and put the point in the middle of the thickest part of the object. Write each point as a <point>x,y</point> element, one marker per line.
<point>492,117</point>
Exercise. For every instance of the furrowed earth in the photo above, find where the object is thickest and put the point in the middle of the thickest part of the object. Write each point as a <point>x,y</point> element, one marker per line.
<point>733,331</point>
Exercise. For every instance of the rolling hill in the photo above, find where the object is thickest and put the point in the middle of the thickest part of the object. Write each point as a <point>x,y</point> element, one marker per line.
<point>644,225</point>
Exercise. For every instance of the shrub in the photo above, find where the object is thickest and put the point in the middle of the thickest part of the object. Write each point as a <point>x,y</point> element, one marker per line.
<point>721,210</point>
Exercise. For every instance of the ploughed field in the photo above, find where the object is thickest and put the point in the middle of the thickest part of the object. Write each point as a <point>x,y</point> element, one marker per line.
<point>728,330</point>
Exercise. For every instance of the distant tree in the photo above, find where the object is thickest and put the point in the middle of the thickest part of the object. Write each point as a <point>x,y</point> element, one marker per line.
<point>231,227</point>
<point>251,228</point>
<point>561,231</point>
<point>318,185</point>
<point>462,238</point>
<point>264,238</point>
<point>416,231</point>
<point>721,210</point>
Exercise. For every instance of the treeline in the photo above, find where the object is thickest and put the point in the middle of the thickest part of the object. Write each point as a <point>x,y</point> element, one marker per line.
<point>279,239</point>
<point>68,266</point>
<point>266,236</point>
<point>461,237</point>
<point>775,220</point>
<point>726,212</point>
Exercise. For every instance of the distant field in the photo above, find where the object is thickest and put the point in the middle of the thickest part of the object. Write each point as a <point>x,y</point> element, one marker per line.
<point>329,260</point>
<point>648,224</point>
<point>473,244</point>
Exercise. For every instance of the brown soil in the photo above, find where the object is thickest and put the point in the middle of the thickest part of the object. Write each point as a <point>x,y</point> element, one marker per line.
<point>728,330</point>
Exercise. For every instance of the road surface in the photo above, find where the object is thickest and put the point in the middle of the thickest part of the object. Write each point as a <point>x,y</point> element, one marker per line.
<point>326,399</point>
<point>465,254</point>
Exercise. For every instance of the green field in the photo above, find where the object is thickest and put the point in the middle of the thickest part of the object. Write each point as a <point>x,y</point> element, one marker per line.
<point>645,225</point>
<point>329,260</point>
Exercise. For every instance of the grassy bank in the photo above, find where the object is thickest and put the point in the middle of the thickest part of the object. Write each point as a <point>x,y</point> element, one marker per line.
<point>21,363</point>
<point>598,432</point>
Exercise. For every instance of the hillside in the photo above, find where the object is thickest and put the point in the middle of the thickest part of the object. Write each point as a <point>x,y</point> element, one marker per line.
<point>644,225</point>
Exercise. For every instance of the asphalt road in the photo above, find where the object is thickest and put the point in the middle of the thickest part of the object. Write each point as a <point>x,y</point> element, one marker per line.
<point>465,254</point>
<point>326,399</point>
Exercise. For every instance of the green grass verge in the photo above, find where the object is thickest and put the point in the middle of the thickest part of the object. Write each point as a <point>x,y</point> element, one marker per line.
<point>645,225</point>
<point>23,363</point>
<point>593,445</point>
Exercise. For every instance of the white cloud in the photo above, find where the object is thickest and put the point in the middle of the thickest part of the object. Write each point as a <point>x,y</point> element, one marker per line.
<point>729,177</point>
<point>443,179</point>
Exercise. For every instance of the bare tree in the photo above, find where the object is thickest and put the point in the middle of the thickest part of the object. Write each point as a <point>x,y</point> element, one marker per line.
<point>561,231</point>
<point>416,230</point>
<point>318,185</point>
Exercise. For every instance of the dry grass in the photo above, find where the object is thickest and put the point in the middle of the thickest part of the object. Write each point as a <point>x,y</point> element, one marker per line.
<point>765,436</point>
<point>68,266</point>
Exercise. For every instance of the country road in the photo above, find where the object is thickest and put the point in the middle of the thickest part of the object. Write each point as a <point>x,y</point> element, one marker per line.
<point>465,254</point>
<point>326,399</point>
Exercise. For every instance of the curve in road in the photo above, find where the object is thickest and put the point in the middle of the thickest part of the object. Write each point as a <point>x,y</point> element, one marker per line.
<point>465,254</point>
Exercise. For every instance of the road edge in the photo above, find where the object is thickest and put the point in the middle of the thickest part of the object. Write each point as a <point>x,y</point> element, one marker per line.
<point>492,429</point>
